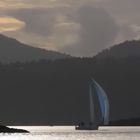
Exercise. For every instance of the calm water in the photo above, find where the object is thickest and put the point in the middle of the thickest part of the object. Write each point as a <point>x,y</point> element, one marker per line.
<point>68,133</point>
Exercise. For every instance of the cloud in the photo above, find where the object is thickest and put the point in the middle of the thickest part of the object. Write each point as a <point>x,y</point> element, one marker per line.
<point>19,4</point>
<point>8,24</point>
<point>126,13</point>
<point>65,34</point>
<point>98,30</point>
<point>39,21</point>
<point>50,27</point>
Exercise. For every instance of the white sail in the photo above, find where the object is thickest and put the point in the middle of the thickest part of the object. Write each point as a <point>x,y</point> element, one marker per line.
<point>103,100</point>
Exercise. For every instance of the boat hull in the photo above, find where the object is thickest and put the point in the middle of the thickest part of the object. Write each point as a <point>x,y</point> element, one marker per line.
<point>87,127</point>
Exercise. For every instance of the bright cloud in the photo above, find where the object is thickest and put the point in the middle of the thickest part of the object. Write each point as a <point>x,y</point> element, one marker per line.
<point>10,24</point>
<point>18,4</point>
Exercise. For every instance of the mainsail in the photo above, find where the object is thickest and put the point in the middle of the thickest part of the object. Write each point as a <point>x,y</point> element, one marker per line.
<point>103,102</point>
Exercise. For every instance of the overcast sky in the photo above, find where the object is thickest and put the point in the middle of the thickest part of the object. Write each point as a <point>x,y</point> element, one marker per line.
<point>76,27</point>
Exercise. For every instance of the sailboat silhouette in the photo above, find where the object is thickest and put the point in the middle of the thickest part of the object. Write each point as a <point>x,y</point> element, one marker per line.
<point>99,108</point>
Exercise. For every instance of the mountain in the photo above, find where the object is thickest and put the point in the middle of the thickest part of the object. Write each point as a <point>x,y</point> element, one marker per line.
<point>122,50</point>
<point>12,50</point>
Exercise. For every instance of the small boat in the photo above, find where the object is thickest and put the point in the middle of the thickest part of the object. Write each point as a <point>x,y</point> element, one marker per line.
<point>98,106</point>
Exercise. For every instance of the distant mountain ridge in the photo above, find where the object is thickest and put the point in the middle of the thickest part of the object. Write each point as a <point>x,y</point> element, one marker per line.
<point>12,50</point>
<point>122,50</point>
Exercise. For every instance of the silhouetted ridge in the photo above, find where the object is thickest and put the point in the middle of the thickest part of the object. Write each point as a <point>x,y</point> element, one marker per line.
<point>12,50</point>
<point>5,129</point>
<point>122,50</point>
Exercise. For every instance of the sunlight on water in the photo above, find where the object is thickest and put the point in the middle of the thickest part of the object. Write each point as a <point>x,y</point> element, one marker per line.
<point>68,133</point>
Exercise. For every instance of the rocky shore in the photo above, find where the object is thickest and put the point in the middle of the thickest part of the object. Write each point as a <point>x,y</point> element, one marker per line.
<point>5,129</point>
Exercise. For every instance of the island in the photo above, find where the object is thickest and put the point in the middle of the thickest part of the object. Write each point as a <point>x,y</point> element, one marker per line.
<point>5,129</point>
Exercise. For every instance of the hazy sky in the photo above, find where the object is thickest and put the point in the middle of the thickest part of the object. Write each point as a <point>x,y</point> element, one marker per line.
<point>77,27</point>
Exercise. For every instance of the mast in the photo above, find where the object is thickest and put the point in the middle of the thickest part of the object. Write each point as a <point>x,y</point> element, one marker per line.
<point>92,117</point>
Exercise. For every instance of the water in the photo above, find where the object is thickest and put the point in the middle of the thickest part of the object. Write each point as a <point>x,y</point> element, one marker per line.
<point>68,133</point>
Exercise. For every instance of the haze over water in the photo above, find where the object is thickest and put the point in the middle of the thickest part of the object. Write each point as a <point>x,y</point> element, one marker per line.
<point>69,133</point>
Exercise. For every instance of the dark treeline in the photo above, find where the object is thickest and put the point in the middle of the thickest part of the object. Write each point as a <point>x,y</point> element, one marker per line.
<point>126,122</point>
<point>56,92</point>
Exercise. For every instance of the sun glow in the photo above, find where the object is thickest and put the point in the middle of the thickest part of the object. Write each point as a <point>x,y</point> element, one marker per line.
<point>10,24</point>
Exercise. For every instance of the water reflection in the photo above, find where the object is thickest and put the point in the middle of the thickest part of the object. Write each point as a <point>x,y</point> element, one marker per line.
<point>68,133</point>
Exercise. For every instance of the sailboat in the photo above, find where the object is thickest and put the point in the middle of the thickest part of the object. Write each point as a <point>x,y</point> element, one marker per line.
<point>98,106</point>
